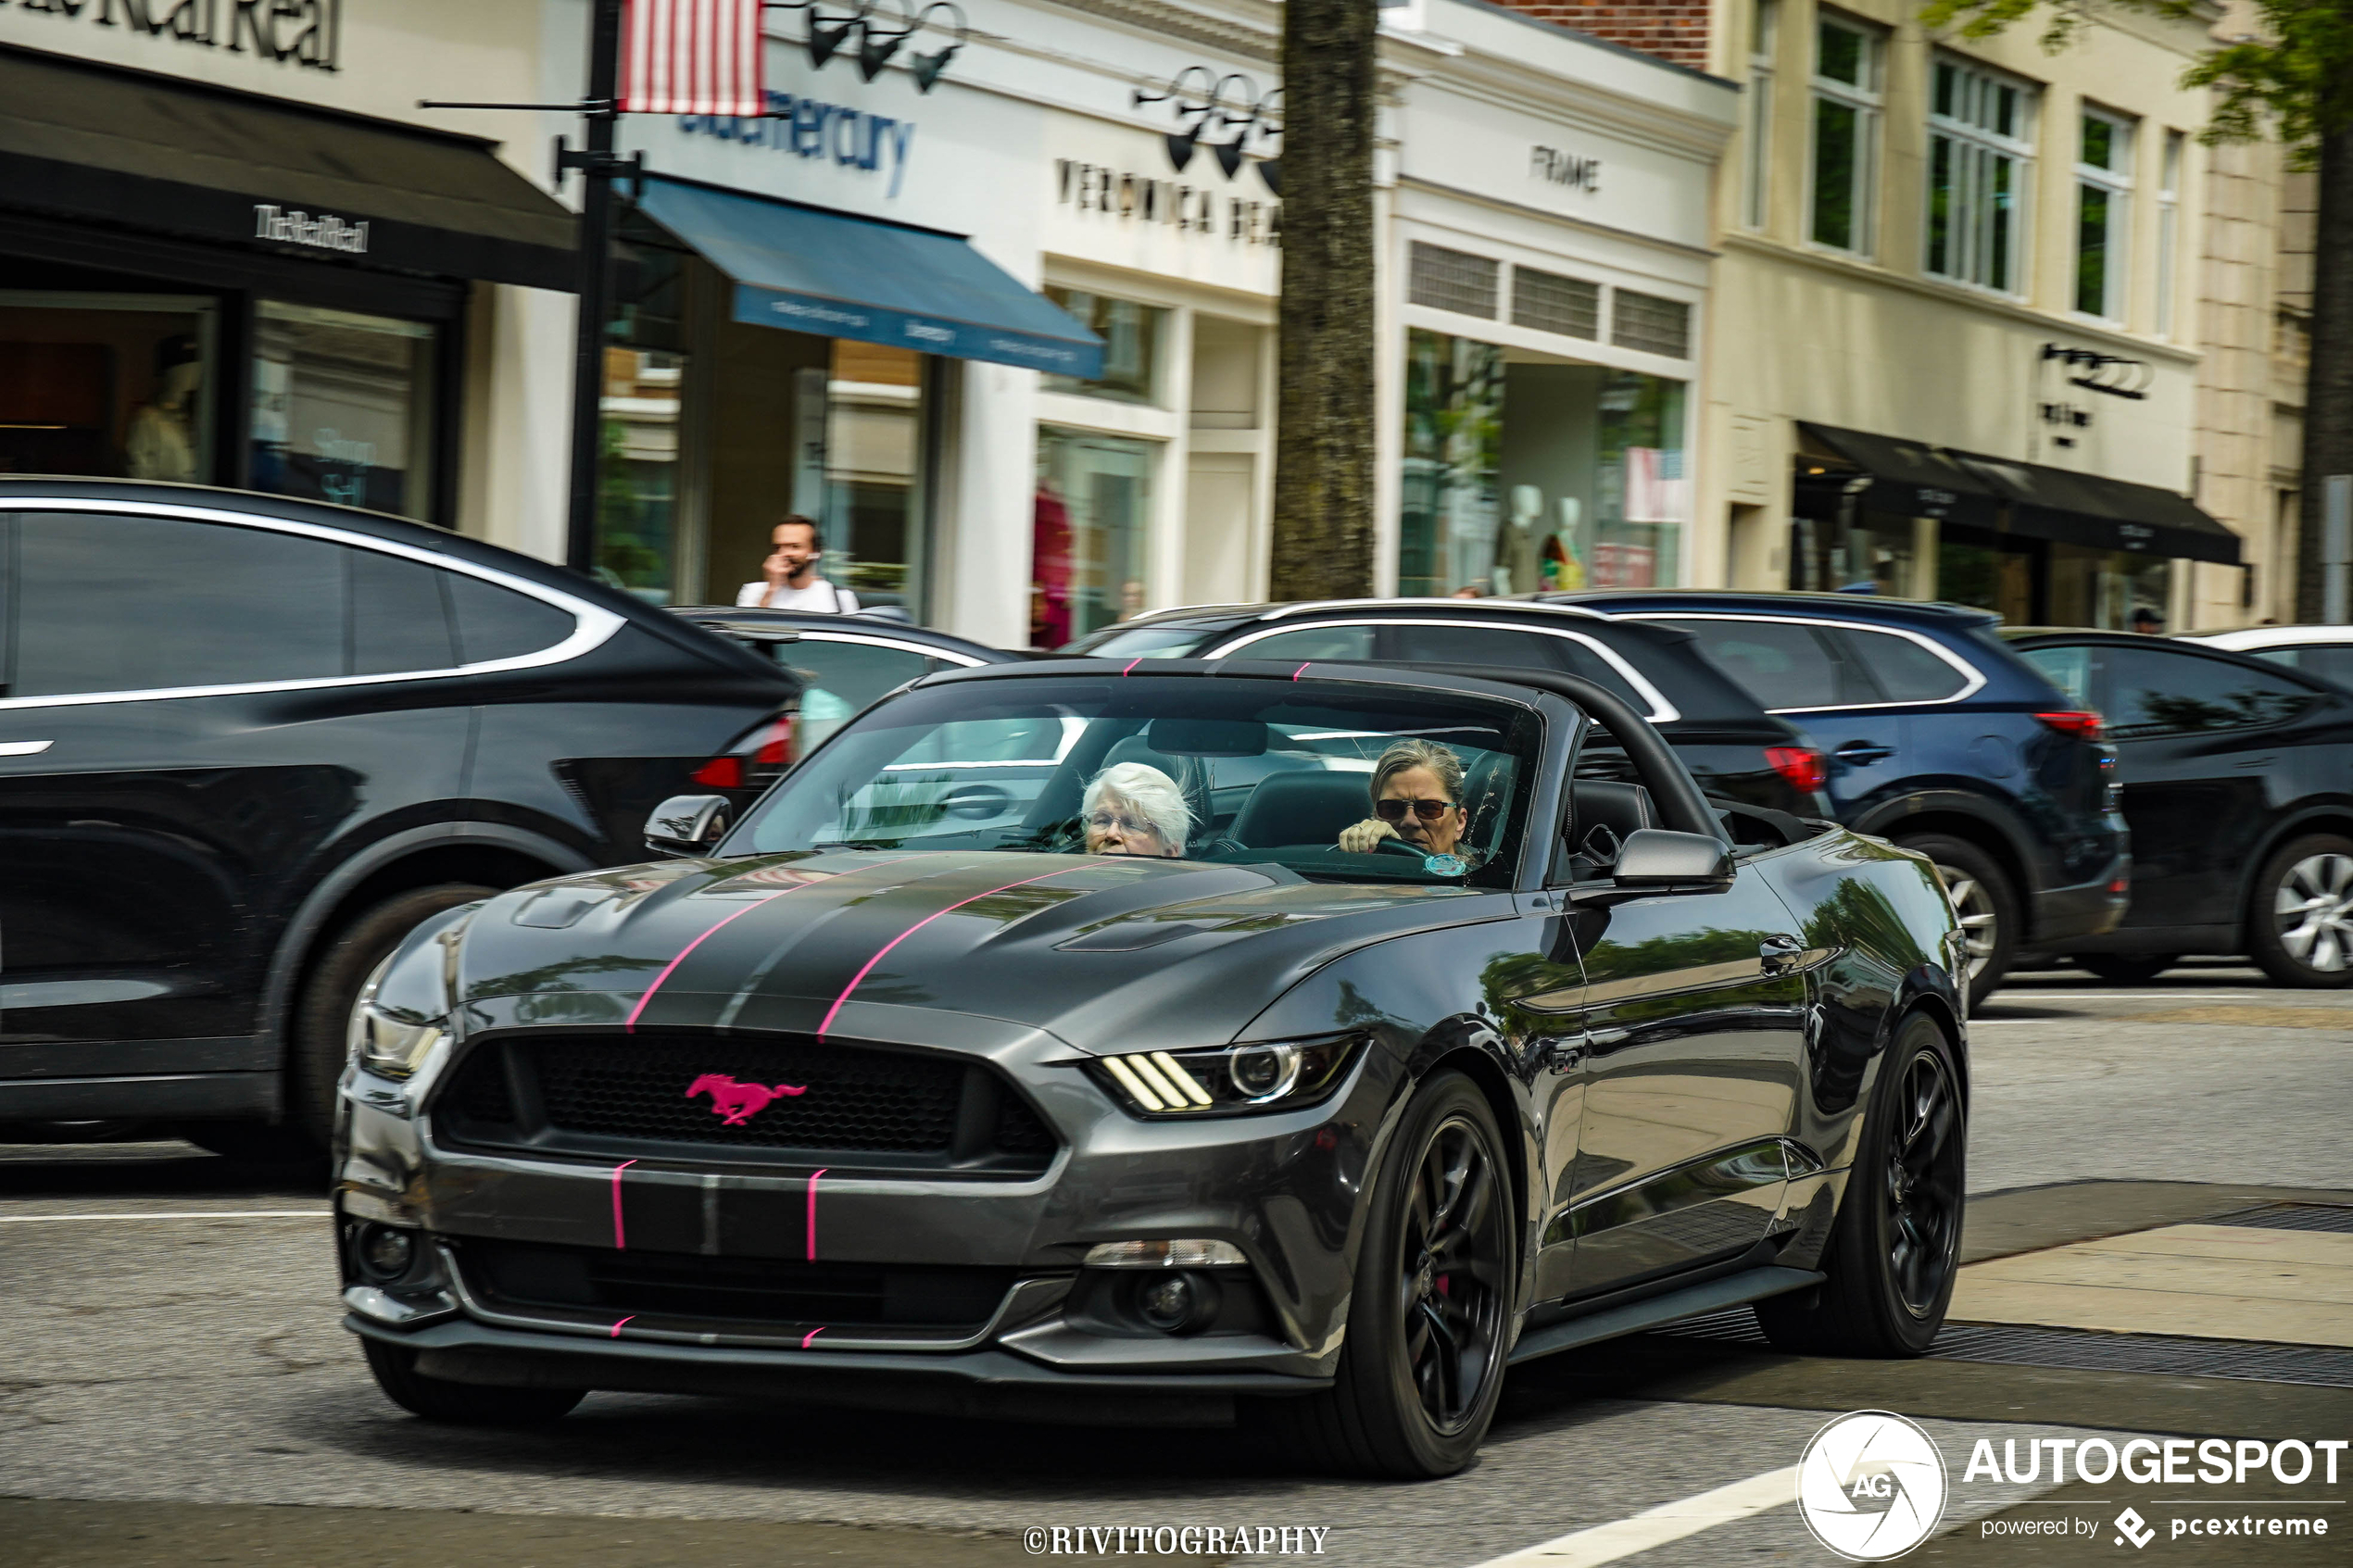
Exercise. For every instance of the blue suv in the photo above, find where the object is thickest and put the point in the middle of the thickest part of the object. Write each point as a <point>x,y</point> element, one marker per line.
<point>1939,737</point>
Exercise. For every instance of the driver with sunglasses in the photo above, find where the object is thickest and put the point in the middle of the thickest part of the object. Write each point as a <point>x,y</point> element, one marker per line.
<point>1417,799</point>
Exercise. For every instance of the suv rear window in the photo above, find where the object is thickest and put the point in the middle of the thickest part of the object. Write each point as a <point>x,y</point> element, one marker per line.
<point>1781,663</point>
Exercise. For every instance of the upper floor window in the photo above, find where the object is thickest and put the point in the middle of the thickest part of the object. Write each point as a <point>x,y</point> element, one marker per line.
<point>1979,168</point>
<point>1846,111</point>
<point>2103,220</point>
<point>2168,223</point>
<point>1131,335</point>
<point>1764,33</point>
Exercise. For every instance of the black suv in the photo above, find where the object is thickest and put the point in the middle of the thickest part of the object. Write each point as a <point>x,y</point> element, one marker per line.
<point>246,744</point>
<point>1736,750</point>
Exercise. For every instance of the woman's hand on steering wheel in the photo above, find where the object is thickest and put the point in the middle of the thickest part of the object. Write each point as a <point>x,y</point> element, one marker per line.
<point>1368,836</point>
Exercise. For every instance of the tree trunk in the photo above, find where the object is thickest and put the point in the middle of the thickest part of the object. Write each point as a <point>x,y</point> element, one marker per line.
<point>2328,386</point>
<point>1323,532</point>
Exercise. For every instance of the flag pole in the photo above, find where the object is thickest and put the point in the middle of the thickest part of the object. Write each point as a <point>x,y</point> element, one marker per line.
<point>598,165</point>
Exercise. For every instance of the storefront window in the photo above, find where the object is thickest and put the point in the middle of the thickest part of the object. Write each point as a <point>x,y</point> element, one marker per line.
<point>1990,576</point>
<point>873,445</point>
<point>1872,554</point>
<point>115,386</point>
<point>637,482</point>
<point>1131,335</point>
<point>2106,588</point>
<point>1087,539</point>
<point>343,407</point>
<point>1523,475</point>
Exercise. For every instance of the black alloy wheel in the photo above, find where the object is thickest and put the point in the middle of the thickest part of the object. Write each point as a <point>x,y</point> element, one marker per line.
<point>2126,969</point>
<point>1429,1322</point>
<point>1894,1251</point>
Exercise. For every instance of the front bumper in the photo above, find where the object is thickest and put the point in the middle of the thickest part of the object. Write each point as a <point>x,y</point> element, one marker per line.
<point>1282,1188</point>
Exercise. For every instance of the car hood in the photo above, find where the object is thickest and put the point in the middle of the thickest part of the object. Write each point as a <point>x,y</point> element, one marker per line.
<point>1103,953</point>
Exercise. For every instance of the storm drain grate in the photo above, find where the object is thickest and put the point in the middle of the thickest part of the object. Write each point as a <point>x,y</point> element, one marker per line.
<point>2019,1345</point>
<point>2337,1218</point>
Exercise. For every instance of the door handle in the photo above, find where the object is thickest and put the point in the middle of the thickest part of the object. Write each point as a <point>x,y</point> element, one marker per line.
<point>1564,1055</point>
<point>1863,752</point>
<point>1776,954</point>
<point>24,747</point>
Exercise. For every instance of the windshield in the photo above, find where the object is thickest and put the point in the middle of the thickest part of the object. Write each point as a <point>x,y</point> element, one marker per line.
<point>1337,782</point>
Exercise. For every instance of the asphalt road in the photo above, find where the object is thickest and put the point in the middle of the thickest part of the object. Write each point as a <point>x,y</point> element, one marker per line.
<point>174,1387</point>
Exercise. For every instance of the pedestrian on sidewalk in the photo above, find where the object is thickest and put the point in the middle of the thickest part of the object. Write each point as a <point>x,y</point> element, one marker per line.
<point>788,577</point>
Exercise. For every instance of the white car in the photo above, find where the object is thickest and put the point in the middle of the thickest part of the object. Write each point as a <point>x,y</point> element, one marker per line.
<point>2325,651</point>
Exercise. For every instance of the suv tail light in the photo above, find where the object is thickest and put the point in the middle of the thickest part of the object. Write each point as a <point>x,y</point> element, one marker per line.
<point>2084,725</point>
<point>1801,765</point>
<point>754,762</point>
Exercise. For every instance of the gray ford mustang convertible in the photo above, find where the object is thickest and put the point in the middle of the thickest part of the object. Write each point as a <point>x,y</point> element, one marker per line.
<point>1303,1044</point>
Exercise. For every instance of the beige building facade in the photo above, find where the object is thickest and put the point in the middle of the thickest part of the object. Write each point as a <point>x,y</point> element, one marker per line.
<point>1960,291</point>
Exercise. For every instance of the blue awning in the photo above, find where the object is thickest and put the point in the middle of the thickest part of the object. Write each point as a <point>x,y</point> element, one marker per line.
<point>812,271</point>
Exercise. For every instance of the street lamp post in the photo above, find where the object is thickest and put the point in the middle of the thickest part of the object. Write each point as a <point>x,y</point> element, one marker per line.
<point>598,165</point>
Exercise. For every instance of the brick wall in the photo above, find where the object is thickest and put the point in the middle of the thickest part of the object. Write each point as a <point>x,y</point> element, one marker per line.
<point>1672,30</point>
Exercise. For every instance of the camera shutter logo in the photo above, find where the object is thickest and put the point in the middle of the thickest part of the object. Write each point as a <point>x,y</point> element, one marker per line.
<point>1871,1486</point>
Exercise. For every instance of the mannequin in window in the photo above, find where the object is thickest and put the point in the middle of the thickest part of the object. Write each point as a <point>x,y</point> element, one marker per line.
<point>161,441</point>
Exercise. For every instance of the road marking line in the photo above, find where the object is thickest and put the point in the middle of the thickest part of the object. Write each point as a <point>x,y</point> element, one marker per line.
<point>1656,1527</point>
<point>185,1215</point>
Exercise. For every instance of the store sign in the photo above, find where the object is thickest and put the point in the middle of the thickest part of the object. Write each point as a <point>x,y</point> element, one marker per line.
<point>303,32</point>
<point>291,226</point>
<point>1566,169</point>
<point>813,129</point>
<point>1191,209</point>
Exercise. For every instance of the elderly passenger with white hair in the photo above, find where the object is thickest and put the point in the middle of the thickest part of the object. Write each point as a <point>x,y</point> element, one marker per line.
<point>1134,808</point>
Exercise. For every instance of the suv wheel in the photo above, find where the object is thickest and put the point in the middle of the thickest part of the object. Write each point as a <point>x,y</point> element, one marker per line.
<point>1896,1247</point>
<point>1984,901</point>
<point>1430,1319</point>
<point>2300,921</point>
<point>318,1038</point>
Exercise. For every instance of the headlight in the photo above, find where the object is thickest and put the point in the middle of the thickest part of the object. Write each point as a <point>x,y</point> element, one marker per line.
<point>388,1041</point>
<point>1227,1080</point>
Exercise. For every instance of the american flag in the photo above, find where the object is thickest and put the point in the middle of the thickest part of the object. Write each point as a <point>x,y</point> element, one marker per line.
<point>690,56</point>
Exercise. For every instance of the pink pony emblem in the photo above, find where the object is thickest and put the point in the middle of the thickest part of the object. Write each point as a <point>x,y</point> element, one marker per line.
<point>739,1103</point>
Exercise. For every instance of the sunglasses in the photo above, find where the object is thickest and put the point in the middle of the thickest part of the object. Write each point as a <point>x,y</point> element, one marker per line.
<point>1103,822</point>
<point>1427,810</point>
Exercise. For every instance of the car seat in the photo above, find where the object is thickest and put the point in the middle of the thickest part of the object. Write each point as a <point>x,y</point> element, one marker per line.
<point>1603,814</point>
<point>1307,807</point>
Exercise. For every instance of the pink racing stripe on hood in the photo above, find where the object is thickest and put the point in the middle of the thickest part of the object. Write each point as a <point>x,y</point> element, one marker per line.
<point>630,1024</point>
<point>834,1011</point>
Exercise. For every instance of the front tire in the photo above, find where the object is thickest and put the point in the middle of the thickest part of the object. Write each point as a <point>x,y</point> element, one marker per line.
<point>1429,1322</point>
<point>2300,920</point>
<point>1895,1252</point>
<point>463,1404</point>
<point>1986,902</point>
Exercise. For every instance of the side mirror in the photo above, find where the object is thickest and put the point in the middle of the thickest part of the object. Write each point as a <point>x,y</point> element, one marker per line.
<point>1655,859</point>
<point>688,824</point>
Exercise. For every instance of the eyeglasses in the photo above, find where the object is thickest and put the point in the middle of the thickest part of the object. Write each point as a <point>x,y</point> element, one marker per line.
<point>1427,810</point>
<point>1103,822</point>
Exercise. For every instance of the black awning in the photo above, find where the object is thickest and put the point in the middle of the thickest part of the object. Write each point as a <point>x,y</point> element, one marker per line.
<point>1913,479</point>
<point>1907,478</point>
<point>142,152</point>
<point>2104,514</point>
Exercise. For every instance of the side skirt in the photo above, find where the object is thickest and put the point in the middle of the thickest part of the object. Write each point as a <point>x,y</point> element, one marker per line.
<point>1712,1296</point>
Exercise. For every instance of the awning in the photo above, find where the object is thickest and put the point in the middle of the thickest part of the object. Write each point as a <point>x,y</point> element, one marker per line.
<point>1912,479</point>
<point>152,153</point>
<point>813,270</point>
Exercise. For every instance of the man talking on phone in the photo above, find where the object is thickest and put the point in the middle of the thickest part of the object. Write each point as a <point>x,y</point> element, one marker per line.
<point>788,577</point>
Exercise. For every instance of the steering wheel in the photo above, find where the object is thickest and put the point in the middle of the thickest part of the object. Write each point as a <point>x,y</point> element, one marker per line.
<point>1396,845</point>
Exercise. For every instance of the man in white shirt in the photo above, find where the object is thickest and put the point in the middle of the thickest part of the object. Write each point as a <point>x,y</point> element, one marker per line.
<point>790,578</point>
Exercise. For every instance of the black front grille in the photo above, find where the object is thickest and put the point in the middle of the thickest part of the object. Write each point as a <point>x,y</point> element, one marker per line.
<point>696,1095</point>
<point>657,1287</point>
